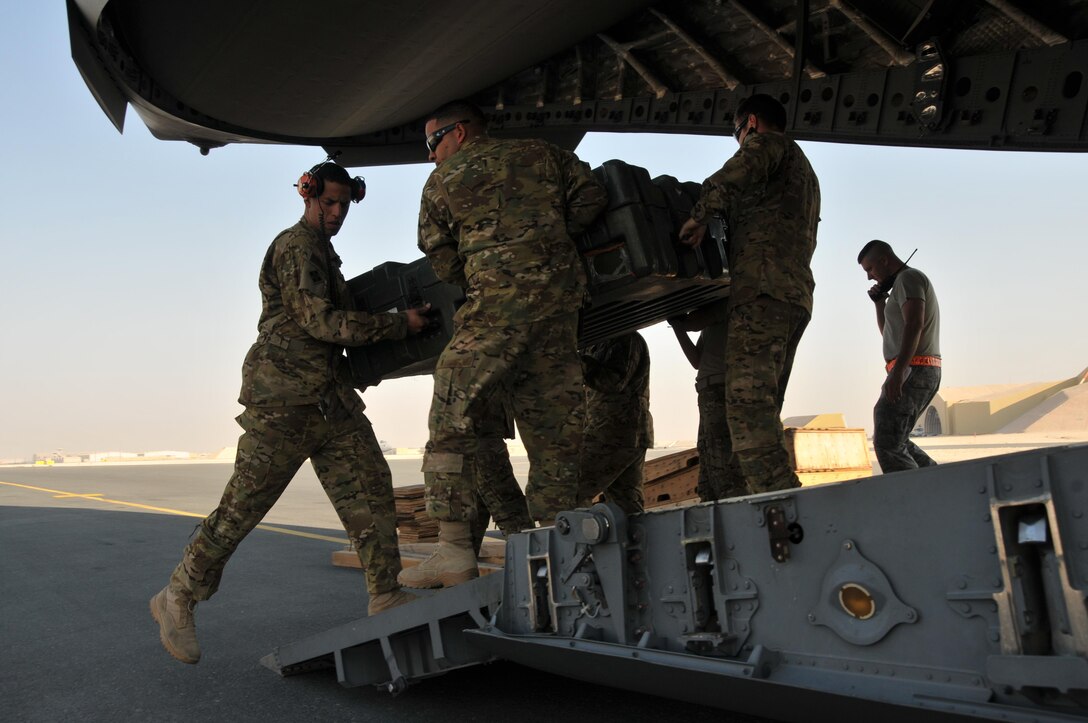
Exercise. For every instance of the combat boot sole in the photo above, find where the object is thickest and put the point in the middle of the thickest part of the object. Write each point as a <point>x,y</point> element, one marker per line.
<point>157,602</point>
<point>439,579</point>
<point>380,602</point>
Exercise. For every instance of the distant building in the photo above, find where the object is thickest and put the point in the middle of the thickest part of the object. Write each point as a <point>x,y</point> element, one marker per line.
<point>166,454</point>
<point>1008,408</point>
<point>112,456</point>
<point>834,420</point>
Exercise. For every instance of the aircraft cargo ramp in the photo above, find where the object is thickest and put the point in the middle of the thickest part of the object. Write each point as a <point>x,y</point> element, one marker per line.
<point>955,592</point>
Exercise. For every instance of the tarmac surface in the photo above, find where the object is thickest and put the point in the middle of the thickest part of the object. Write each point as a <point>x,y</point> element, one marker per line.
<point>83,552</point>
<point>84,547</point>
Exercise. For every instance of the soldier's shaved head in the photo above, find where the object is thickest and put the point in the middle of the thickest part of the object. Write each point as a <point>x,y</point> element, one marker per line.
<point>875,249</point>
<point>764,107</point>
<point>458,111</point>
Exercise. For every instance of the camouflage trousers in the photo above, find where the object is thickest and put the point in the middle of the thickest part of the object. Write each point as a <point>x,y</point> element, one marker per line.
<point>499,495</point>
<point>536,368</point>
<point>614,470</point>
<point>277,440</point>
<point>719,471</point>
<point>892,423</point>
<point>761,342</point>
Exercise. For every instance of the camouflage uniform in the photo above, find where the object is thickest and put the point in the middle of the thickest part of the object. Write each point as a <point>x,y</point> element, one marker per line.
<point>719,473</point>
<point>300,404</point>
<point>619,427</point>
<point>497,218</point>
<point>499,494</point>
<point>770,199</point>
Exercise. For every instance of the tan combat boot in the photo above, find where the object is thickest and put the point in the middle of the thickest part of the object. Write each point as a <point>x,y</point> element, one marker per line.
<point>177,628</point>
<point>451,563</point>
<point>382,601</point>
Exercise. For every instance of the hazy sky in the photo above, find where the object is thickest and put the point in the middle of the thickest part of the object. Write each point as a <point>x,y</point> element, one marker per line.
<point>129,294</point>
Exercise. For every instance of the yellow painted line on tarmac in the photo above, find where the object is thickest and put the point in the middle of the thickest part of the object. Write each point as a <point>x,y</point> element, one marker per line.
<point>97,497</point>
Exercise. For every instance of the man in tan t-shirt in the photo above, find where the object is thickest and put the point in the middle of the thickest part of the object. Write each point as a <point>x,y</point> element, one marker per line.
<point>909,319</point>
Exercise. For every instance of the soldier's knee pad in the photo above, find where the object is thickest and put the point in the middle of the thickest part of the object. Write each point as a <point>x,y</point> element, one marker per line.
<point>443,462</point>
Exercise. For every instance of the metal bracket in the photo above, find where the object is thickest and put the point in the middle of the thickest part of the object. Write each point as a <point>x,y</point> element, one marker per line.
<point>778,532</point>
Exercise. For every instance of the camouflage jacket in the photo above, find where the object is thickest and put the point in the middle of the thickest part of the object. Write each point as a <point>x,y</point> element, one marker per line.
<point>770,200</point>
<point>617,378</point>
<point>306,320</point>
<point>498,218</point>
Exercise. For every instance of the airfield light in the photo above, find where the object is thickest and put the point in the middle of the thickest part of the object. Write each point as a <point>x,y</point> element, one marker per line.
<point>857,601</point>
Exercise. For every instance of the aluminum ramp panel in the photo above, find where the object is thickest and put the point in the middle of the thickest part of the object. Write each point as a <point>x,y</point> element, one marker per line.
<point>400,646</point>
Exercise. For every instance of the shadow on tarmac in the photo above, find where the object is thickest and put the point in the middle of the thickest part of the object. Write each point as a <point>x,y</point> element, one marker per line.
<point>77,641</point>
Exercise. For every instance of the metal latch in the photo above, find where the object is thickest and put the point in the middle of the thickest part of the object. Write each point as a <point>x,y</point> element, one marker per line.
<point>780,532</point>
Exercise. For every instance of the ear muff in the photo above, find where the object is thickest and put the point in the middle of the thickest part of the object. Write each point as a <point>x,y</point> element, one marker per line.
<point>358,189</point>
<point>311,185</point>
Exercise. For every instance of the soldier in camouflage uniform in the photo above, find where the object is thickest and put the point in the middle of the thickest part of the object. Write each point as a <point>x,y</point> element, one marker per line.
<point>619,428</point>
<point>299,404</point>
<point>719,473</point>
<point>499,495</point>
<point>497,217</point>
<point>770,199</point>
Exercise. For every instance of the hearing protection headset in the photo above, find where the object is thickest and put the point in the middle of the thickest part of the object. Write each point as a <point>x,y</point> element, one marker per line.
<point>311,185</point>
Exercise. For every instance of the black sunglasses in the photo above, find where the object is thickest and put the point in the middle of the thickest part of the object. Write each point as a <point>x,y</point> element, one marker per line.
<point>740,129</point>
<point>435,138</point>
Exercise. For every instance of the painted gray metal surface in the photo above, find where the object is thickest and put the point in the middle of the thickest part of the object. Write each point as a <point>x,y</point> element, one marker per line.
<point>952,609</point>
<point>408,643</point>
<point>966,74</point>
<point>954,592</point>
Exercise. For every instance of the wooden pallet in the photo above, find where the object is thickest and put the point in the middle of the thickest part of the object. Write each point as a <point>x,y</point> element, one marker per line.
<point>413,553</point>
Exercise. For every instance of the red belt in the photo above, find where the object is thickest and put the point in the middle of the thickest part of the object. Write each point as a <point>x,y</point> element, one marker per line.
<point>917,361</point>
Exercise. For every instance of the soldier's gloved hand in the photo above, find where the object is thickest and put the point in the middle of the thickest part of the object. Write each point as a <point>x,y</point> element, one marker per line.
<point>417,318</point>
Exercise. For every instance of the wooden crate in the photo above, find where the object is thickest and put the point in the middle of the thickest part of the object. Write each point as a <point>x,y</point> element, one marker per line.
<point>680,486</point>
<point>662,466</point>
<point>820,450</point>
<point>833,475</point>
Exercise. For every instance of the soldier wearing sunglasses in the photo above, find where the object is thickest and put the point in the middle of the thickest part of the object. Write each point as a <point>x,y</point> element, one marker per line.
<point>498,217</point>
<point>769,197</point>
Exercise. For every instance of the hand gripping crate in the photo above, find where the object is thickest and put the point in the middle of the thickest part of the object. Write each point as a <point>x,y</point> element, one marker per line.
<point>709,258</point>
<point>395,286</point>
